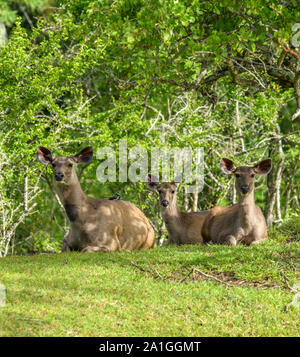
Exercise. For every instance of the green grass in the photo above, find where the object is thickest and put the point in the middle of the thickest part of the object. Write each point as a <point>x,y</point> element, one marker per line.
<point>166,291</point>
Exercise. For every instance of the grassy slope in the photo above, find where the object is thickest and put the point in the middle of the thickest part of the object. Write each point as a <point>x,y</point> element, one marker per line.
<point>164,294</point>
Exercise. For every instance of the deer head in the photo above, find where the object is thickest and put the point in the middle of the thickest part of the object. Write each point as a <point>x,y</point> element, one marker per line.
<point>64,167</point>
<point>166,190</point>
<point>245,175</point>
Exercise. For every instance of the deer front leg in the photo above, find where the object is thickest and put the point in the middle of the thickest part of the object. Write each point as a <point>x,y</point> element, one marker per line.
<point>65,245</point>
<point>105,242</point>
<point>91,249</point>
<point>229,240</point>
<point>258,241</point>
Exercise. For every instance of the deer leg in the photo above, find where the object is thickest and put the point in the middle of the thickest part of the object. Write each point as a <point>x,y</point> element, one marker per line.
<point>91,249</point>
<point>257,241</point>
<point>230,240</point>
<point>65,245</point>
<point>105,242</point>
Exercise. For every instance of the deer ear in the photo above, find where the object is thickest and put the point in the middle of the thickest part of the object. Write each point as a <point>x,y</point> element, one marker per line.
<point>84,156</point>
<point>152,182</point>
<point>264,167</point>
<point>227,166</point>
<point>44,155</point>
<point>177,179</point>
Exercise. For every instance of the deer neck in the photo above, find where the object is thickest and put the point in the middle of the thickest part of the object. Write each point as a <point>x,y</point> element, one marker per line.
<point>171,212</point>
<point>246,207</point>
<point>70,194</point>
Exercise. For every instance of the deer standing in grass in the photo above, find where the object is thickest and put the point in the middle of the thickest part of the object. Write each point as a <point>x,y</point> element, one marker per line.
<point>95,224</point>
<point>243,222</point>
<point>183,227</point>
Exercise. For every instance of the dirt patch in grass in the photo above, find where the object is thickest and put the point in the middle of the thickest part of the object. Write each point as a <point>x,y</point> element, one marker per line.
<point>198,275</point>
<point>287,261</point>
<point>227,279</point>
<point>292,239</point>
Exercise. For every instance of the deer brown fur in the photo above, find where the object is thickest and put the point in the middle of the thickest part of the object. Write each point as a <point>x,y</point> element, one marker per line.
<point>95,224</point>
<point>183,227</point>
<point>243,222</point>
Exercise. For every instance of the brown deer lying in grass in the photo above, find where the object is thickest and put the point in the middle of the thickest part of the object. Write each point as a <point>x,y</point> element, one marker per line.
<point>183,227</point>
<point>95,224</point>
<point>244,221</point>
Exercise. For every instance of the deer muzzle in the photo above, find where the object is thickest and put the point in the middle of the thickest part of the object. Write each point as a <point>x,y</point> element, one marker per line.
<point>59,176</point>
<point>165,203</point>
<point>245,189</point>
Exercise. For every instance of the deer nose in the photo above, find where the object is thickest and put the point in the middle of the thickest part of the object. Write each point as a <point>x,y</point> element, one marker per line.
<point>165,203</point>
<point>59,176</point>
<point>245,189</point>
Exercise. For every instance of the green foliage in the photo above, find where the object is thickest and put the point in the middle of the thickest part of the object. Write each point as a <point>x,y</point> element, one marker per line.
<point>10,9</point>
<point>209,74</point>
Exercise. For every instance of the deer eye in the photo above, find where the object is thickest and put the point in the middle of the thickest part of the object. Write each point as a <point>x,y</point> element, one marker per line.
<point>173,191</point>
<point>159,191</point>
<point>70,165</point>
<point>252,175</point>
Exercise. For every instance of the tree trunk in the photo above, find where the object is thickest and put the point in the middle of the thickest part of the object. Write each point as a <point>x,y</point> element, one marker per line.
<point>195,202</point>
<point>281,160</point>
<point>3,35</point>
<point>273,184</point>
<point>233,193</point>
<point>270,200</point>
<point>185,201</point>
<point>287,199</point>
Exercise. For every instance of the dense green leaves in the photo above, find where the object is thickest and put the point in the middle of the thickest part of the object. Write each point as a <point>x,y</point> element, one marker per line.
<point>157,73</point>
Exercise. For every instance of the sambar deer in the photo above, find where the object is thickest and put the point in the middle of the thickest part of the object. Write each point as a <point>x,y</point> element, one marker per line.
<point>243,222</point>
<point>183,227</point>
<point>95,224</point>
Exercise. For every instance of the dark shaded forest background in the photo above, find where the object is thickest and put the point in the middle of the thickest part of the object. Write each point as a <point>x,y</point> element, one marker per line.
<point>222,75</point>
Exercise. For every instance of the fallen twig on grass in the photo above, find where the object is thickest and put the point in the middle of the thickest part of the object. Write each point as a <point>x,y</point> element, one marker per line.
<point>147,270</point>
<point>206,275</point>
<point>31,320</point>
<point>286,281</point>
